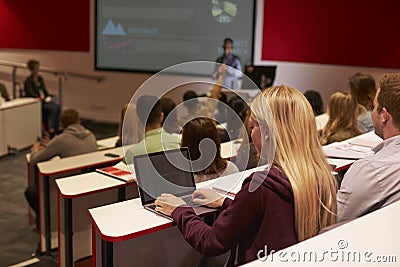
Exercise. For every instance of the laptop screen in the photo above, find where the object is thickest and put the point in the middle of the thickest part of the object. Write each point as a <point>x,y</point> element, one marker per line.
<point>156,174</point>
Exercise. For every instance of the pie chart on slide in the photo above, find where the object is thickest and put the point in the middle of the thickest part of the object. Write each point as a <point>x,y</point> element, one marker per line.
<point>223,11</point>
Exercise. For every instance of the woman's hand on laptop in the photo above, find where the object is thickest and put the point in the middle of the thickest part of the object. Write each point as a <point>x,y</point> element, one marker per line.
<point>208,197</point>
<point>167,203</point>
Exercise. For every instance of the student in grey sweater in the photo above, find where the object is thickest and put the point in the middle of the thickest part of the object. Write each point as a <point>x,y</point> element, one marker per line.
<point>74,140</point>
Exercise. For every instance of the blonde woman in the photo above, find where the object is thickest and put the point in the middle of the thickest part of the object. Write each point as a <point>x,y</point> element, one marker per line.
<point>274,209</point>
<point>363,89</point>
<point>342,124</point>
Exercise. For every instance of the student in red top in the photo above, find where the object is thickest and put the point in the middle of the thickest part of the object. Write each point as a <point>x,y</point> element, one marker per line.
<point>274,209</point>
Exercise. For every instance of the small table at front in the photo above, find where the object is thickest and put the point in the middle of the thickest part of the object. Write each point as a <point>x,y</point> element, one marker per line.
<point>76,194</point>
<point>50,170</point>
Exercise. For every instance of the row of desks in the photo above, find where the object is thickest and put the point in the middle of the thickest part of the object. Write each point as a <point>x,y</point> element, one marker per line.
<point>119,238</point>
<point>79,193</point>
<point>49,171</point>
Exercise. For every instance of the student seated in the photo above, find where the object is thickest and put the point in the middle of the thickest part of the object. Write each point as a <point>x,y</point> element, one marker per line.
<point>201,106</point>
<point>315,99</point>
<point>374,182</point>
<point>155,138</point>
<point>247,156</point>
<point>278,207</point>
<point>363,89</point>
<point>193,133</point>
<point>235,116</point>
<point>74,140</point>
<point>342,123</point>
<point>168,108</point>
<point>34,86</point>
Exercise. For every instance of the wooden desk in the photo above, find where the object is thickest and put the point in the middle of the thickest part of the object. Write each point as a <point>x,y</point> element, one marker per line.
<point>361,242</point>
<point>48,172</point>
<point>77,194</point>
<point>20,124</point>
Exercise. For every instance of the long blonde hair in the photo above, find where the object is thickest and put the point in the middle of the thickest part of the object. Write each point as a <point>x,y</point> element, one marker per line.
<point>342,111</point>
<point>299,154</point>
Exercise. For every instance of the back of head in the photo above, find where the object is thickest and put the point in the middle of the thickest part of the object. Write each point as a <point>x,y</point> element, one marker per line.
<point>193,132</point>
<point>363,88</point>
<point>148,109</point>
<point>167,106</point>
<point>69,117</point>
<point>190,99</point>
<point>342,107</point>
<point>299,155</point>
<point>342,112</point>
<point>236,114</point>
<point>315,99</point>
<point>389,96</point>
<point>32,63</point>
<point>227,41</point>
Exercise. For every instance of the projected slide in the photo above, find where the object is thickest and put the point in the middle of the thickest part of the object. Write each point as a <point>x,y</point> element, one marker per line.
<point>149,35</point>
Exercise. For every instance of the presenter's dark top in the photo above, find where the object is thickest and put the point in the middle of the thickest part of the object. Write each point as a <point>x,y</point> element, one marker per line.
<point>33,89</point>
<point>254,221</point>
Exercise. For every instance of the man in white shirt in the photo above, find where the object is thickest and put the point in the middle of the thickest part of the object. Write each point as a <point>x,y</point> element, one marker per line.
<point>374,182</point>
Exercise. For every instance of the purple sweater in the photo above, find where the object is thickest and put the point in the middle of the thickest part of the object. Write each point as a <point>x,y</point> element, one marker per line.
<point>247,223</point>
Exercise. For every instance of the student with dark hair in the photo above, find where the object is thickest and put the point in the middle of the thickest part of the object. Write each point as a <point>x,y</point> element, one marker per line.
<point>34,86</point>
<point>150,115</point>
<point>374,182</point>
<point>236,116</point>
<point>193,133</point>
<point>315,99</point>
<point>168,108</point>
<point>74,140</point>
<point>247,156</point>
<point>229,66</point>
<point>199,106</point>
<point>220,116</point>
<point>363,89</point>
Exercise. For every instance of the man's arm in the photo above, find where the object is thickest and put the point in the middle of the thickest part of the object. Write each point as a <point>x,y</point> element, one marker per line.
<point>45,92</point>
<point>51,150</point>
<point>236,69</point>
<point>359,191</point>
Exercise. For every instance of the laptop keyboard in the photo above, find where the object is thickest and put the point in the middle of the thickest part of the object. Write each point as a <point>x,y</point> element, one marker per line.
<point>189,202</point>
<point>187,199</point>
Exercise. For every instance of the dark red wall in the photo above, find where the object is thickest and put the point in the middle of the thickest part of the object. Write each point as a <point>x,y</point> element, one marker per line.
<point>343,32</point>
<point>45,25</point>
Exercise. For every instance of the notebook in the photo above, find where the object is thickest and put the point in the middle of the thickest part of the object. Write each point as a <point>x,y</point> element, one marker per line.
<point>166,172</point>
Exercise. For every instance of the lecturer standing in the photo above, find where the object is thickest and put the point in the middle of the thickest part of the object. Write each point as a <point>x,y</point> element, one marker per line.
<point>231,75</point>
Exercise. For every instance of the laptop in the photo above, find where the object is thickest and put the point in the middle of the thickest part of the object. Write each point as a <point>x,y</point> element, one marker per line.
<point>166,172</point>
